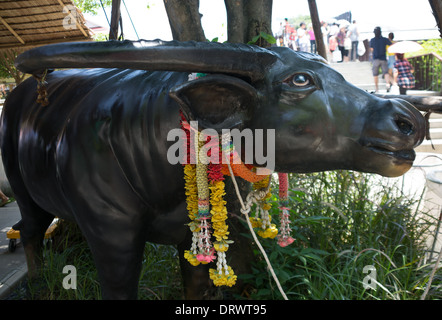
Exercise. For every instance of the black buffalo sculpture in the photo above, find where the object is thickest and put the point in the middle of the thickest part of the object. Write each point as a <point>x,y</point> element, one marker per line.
<point>96,154</point>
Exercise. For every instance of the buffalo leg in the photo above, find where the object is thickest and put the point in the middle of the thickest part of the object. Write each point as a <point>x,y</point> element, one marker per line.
<point>33,226</point>
<point>118,254</point>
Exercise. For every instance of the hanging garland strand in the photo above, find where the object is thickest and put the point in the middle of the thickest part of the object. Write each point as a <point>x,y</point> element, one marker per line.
<point>284,239</point>
<point>42,94</point>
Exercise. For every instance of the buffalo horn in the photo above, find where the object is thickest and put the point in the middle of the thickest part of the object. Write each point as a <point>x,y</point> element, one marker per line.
<point>206,57</point>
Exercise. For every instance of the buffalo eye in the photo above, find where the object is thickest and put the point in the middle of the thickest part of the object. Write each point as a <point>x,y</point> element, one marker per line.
<point>299,80</point>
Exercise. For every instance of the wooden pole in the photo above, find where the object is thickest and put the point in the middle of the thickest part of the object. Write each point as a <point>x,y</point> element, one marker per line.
<point>12,30</point>
<point>436,6</point>
<point>320,46</point>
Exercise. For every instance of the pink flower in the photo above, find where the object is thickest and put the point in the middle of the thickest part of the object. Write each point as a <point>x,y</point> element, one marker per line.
<point>205,258</point>
<point>285,241</point>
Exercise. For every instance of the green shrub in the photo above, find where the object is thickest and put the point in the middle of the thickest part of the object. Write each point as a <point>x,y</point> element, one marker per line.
<point>343,222</point>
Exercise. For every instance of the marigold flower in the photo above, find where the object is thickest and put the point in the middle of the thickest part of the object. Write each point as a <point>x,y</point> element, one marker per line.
<point>256,222</point>
<point>266,206</point>
<point>223,279</point>
<point>189,256</point>
<point>222,246</point>
<point>271,232</point>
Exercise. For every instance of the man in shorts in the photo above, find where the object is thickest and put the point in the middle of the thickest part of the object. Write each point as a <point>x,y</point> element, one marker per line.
<point>378,46</point>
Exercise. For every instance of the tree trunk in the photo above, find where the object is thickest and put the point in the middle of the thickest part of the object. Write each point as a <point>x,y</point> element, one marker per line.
<point>436,6</point>
<point>247,19</point>
<point>115,19</point>
<point>185,20</point>
<point>258,17</point>
<point>235,21</point>
<point>317,29</point>
<point>18,77</point>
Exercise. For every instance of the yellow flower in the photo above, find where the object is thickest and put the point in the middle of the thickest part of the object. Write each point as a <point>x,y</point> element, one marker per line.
<point>217,193</point>
<point>268,195</point>
<point>191,190</point>
<point>221,246</point>
<point>271,232</point>
<point>266,206</point>
<point>222,279</point>
<point>220,232</point>
<point>256,222</point>
<point>261,184</point>
<point>219,208</point>
<point>218,211</point>
<point>191,258</point>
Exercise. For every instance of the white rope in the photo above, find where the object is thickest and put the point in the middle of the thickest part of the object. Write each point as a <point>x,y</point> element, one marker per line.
<point>430,280</point>
<point>252,197</point>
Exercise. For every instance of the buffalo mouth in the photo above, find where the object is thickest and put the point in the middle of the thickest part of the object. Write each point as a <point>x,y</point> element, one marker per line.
<point>386,159</point>
<point>407,155</point>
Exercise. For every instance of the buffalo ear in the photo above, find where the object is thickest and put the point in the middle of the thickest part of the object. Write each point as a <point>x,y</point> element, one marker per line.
<point>216,101</point>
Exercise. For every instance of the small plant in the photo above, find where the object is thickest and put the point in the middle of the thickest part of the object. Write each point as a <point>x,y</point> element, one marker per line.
<point>262,36</point>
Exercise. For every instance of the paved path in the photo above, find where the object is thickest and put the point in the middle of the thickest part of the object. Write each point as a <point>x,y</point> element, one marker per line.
<point>359,74</point>
<point>12,265</point>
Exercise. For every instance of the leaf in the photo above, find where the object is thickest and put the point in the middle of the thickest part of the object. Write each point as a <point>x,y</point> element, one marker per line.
<point>268,37</point>
<point>273,255</point>
<point>264,292</point>
<point>254,39</point>
<point>246,276</point>
<point>282,275</point>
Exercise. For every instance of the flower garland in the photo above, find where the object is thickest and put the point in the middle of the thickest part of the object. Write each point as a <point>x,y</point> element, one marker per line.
<point>262,218</point>
<point>204,186</point>
<point>205,191</point>
<point>284,239</point>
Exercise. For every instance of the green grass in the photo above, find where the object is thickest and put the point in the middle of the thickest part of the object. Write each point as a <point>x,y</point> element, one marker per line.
<point>160,277</point>
<point>342,222</point>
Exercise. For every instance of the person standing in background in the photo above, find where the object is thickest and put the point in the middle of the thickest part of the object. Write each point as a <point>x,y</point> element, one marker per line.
<point>405,78</point>
<point>303,37</point>
<point>312,39</point>
<point>325,33</point>
<point>332,45</point>
<point>391,59</point>
<point>353,33</point>
<point>378,47</point>
<point>342,34</point>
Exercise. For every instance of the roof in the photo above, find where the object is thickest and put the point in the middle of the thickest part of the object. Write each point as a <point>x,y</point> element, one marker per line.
<point>26,23</point>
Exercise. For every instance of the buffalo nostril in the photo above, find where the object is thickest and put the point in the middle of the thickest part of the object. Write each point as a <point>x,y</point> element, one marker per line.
<point>405,126</point>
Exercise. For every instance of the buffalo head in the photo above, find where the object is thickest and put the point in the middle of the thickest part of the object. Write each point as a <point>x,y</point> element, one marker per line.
<point>321,122</point>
